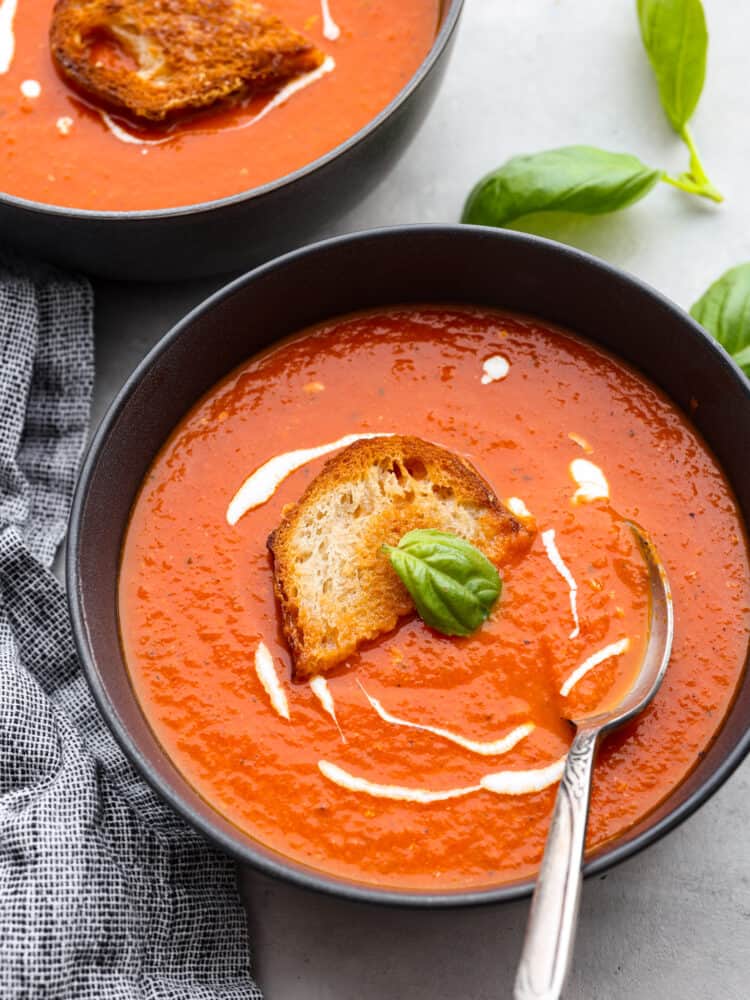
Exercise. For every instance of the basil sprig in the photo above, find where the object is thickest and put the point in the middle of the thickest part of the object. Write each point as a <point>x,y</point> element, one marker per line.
<point>453,586</point>
<point>590,181</point>
<point>675,37</point>
<point>724,310</point>
<point>579,179</point>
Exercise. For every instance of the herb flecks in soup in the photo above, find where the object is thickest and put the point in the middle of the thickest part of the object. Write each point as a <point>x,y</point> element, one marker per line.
<point>425,761</point>
<point>62,149</point>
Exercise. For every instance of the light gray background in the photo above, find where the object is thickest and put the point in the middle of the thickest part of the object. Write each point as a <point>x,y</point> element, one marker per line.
<point>529,75</point>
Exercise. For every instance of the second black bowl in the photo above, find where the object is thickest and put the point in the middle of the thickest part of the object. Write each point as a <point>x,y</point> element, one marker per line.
<point>413,264</point>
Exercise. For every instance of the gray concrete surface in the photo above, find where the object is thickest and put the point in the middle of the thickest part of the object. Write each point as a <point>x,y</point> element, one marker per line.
<point>528,75</point>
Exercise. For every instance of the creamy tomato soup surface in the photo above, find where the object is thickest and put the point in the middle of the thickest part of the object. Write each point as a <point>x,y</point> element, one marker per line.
<point>59,148</point>
<point>428,762</point>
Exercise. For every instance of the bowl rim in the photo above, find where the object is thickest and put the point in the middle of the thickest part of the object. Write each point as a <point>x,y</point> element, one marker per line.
<point>291,870</point>
<point>452,13</point>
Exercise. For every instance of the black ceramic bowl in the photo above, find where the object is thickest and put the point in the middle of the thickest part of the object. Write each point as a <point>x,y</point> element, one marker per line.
<point>448,264</point>
<point>236,232</point>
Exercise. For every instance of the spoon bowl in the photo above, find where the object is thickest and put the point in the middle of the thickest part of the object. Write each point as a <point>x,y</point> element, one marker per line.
<point>550,933</point>
<point>658,650</point>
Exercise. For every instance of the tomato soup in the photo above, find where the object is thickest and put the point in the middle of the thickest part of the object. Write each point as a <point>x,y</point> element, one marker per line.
<point>428,762</point>
<point>59,150</point>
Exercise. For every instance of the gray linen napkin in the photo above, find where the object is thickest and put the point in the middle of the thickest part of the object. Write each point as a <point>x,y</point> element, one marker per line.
<point>104,892</point>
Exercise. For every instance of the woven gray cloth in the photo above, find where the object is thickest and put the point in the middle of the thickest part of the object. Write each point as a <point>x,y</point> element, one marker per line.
<point>104,892</point>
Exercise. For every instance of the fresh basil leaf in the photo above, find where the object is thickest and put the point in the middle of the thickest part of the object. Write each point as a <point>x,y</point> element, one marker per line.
<point>724,310</point>
<point>454,586</point>
<point>579,179</point>
<point>742,359</point>
<point>676,39</point>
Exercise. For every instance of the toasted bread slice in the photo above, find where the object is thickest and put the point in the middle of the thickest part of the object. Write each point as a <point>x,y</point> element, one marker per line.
<point>335,587</point>
<point>156,59</point>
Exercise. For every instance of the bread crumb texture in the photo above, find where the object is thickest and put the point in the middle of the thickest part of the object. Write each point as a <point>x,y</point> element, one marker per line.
<point>335,587</point>
<point>157,59</point>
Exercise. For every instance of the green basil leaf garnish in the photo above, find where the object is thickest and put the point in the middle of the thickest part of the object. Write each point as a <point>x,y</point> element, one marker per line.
<point>579,179</point>
<point>453,586</point>
<point>676,39</point>
<point>724,310</point>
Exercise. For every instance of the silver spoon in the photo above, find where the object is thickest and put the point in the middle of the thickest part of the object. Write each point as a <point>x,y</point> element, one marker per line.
<point>550,933</point>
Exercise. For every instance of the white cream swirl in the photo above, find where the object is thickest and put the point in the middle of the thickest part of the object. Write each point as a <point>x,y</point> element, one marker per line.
<point>501,783</point>
<point>281,97</point>
<point>331,30</point>
<point>319,687</point>
<point>7,34</point>
<point>591,482</point>
<point>614,649</point>
<point>486,749</point>
<point>553,554</point>
<point>259,487</point>
<point>266,671</point>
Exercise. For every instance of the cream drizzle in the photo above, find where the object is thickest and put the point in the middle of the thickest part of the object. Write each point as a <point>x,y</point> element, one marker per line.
<point>524,782</point>
<point>124,136</point>
<point>500,783</point>
<point>331,30</point>
<point>263,483</point>
<point>327,66</point>
<point>266,671</point>
<point>581,442</point>
<point>319,687</point>
<point>495,369</point>
<point>591,481</point>
<point>7,36</point>
<point>516,506</point>
<point>31,89</point>
<point>614,649</point>
<point>397,793</point>
<point>553,553</point>
<point>493,749</point>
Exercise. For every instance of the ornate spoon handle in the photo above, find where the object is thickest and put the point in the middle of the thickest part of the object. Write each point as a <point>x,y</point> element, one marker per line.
<point>548,945</point>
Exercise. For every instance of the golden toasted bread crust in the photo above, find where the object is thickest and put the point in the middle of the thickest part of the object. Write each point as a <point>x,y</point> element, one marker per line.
<point>156,59</point>
<point>335,587</point>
